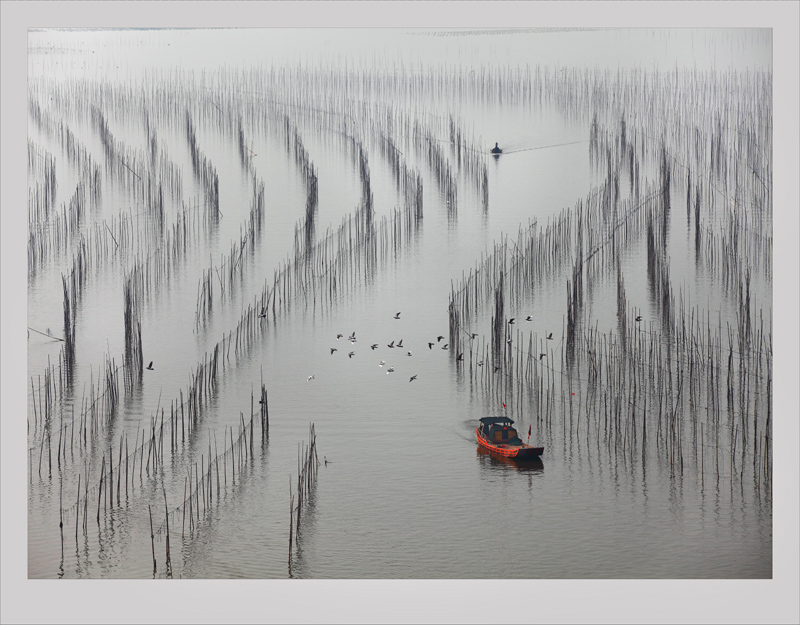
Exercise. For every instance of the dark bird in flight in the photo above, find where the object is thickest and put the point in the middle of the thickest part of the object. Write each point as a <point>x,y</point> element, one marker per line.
<point>474,334</point>
<point>400,343</point>
<point>351,354</point>
<point>333,349</point>
<point>391,344</point>
<point>390,370</point>
<point>374,346</point>
<point>430,345</point>
<point>511,320</point>
<point>397,316</point>
<point>445,345</point>
<point>150,366</point>
<point>480,364</point>
<point>413,377</point>
<point>338,336</point>
<point>460,356</point>
<point>550,337</point>
<point>639,318</point>
<point>528,318</point>
<point>439,338</point>
<point>542,356</point>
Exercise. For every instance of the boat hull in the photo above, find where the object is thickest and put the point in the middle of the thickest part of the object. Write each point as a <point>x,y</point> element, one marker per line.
<point>516,452</point>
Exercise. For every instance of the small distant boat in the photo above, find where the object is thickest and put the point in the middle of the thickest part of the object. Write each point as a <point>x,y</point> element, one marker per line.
<point>497,434</point>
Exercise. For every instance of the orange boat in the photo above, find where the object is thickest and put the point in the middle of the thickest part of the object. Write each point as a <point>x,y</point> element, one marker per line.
<point>497,434</point>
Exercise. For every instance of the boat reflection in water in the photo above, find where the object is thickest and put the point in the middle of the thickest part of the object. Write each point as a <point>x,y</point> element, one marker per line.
<point>490,460</point>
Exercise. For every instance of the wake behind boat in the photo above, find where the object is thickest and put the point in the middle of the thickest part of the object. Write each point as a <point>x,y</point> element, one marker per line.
<point>497,434</point>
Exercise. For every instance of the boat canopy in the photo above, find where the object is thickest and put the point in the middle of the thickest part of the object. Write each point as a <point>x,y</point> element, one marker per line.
<point>495,420</point>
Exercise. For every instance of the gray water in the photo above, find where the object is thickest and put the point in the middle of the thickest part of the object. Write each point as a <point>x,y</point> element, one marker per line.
<point>402,490</point>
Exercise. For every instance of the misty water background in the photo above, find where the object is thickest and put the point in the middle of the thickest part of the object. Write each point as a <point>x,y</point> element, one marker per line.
<point>419,590</point>
<point>406,492</point>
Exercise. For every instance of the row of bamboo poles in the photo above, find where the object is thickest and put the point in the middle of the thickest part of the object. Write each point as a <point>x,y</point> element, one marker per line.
<point>352,250</point>
<point>637,381</point>
<point>307,466</point>
<point>669,379</point>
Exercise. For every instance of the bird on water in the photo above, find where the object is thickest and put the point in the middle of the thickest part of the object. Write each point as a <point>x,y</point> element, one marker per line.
<point>496,149</point>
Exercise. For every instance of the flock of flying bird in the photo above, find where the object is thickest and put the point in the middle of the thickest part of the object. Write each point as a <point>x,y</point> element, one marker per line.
<point>374,346</point>
<point>399,344</point>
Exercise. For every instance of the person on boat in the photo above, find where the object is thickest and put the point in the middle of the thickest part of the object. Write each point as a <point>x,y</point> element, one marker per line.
<point>496,149</point>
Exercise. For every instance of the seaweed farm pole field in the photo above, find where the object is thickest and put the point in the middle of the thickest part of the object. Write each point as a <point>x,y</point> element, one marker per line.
<point>291,265</point>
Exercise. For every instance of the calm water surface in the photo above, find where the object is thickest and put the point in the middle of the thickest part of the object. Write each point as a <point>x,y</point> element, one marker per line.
<point>402,490</point>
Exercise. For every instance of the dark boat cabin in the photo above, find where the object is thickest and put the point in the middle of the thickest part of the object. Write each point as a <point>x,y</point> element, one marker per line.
<point>498,430</point>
